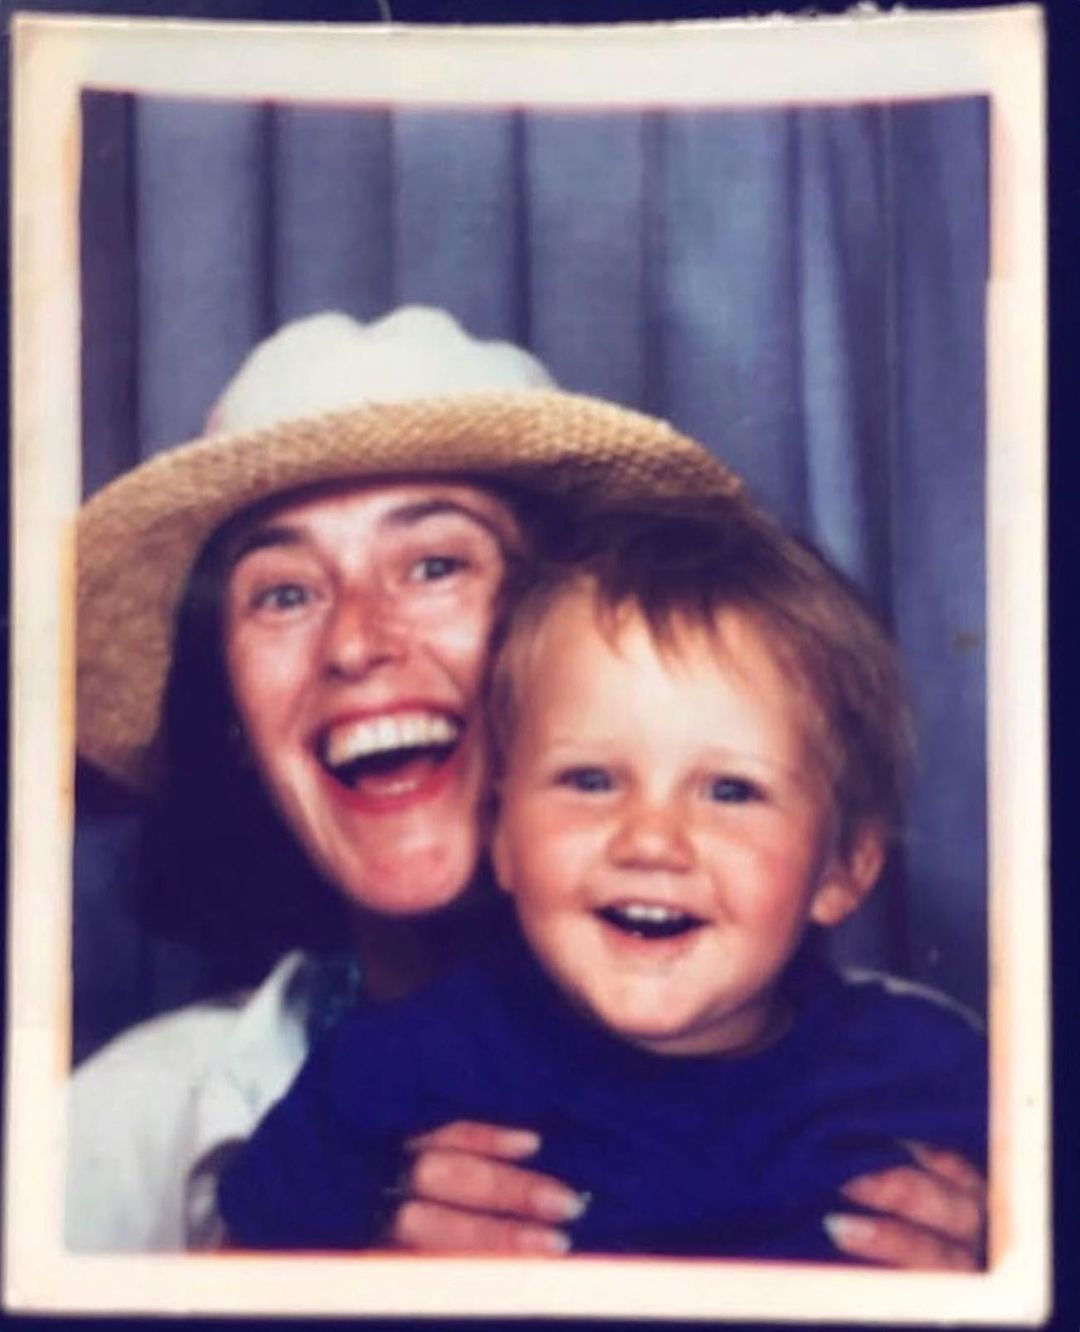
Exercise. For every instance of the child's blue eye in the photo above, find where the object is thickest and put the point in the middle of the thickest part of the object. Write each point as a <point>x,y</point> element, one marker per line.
<point>732,790</point>
<point>586,779</point>
<point>282,597</point>
<point>431,568</point>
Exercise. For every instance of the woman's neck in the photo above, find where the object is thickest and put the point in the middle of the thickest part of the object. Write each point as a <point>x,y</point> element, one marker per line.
<point>397,956</point>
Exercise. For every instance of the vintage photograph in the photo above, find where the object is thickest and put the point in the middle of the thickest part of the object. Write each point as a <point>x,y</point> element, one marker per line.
<point>529,670</point>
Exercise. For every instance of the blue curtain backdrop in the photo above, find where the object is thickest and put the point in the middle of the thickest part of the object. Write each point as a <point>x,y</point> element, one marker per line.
<point>801,289</point>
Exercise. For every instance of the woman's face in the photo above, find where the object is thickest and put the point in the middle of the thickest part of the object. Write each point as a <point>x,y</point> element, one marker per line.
<point>356,627</point>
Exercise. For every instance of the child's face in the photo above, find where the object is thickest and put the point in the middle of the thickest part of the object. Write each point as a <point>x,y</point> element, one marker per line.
<point>665,828</point>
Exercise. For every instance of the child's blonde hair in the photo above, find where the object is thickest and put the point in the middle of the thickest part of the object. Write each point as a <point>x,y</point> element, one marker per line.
<point>680,566</point>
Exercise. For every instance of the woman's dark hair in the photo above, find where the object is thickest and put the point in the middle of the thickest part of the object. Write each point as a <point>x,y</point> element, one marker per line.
<point>220,870</point>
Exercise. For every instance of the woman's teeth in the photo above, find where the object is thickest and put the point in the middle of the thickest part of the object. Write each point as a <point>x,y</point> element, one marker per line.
<point>376,735</point>
<point>375,746</point>
<point>649,920</point>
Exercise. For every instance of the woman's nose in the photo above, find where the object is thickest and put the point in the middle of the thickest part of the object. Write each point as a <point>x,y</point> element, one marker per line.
<point>652,836</point>
<point>362,634</point>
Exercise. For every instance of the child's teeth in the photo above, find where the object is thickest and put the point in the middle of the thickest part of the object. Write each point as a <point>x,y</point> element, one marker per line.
<point>649,920</point>
<point>645,911</point>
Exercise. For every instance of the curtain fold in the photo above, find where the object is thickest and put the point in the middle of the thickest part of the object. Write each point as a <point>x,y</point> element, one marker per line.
<point>332,164</point>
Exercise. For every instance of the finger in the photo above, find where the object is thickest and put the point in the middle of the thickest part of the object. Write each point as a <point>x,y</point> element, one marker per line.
<point>912,1195</point>
<point>895,1244</point>
<point>480,1184</point>
<point>436,1227</point>
<point>511,1144</point>
<point>949,1165</point>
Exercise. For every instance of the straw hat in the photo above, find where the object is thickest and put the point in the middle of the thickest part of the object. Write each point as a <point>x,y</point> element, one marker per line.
<point>328,399</point>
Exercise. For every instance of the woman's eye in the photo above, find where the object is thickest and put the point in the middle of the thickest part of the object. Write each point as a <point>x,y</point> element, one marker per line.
<point>282,597</point>
<point>586,779</point>
<point>432,568</point>
<point>732,790</point>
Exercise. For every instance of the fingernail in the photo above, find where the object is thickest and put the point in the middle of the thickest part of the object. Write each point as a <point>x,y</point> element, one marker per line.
<point>520,1142</point>
<point>545,1241</point>
<point>848,1231</point>
<point>858,1189</point>
<point>561,1205</point>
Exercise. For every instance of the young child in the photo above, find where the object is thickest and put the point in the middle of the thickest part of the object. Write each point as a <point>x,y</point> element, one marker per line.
<point>700,738</point>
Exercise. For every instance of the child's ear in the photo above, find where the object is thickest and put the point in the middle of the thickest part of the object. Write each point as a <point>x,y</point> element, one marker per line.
<point>848,878</point>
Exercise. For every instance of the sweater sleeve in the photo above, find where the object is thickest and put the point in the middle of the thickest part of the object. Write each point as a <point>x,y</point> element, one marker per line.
<point>315,1172</point>
<point>923,1062</point>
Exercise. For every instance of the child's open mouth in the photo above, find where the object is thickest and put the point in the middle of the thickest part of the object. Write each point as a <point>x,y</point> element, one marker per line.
<point>649,920</point>
<point>389,755</point>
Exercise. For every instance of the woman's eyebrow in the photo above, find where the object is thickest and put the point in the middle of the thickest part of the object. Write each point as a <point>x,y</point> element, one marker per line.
<point>262,537</point>
<point>408,515</point>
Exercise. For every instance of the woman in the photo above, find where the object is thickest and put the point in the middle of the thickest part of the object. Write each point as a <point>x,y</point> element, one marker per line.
<point>333,579</point>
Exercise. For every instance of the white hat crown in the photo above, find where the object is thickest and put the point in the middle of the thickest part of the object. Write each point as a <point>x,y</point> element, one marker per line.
<point>330,362</point>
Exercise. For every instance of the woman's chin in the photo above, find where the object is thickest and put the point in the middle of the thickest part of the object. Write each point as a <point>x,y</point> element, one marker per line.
<point>412,885</point>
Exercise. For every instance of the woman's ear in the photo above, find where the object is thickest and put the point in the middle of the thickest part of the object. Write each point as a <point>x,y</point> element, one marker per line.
<point>848,877</point>
<point>500,858</point>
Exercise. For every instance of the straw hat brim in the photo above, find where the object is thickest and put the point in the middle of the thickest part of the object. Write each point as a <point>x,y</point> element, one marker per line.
<point>139,537</point>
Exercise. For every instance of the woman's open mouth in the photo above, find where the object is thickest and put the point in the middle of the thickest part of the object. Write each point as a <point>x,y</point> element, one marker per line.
<point>649,920</point>
<point>392,755</point>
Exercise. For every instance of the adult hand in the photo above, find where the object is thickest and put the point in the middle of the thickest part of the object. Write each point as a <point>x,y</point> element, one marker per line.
<point>931,1214</point>
<point>465,1190</point>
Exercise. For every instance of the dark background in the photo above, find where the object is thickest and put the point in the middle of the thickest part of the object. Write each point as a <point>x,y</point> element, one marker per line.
<point>1064,63</point>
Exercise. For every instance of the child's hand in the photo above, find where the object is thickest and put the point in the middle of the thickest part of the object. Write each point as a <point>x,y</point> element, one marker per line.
<point>463,1191</point>
<point>933,1214</point>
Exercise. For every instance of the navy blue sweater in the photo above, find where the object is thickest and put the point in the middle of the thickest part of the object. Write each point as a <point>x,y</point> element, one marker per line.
<point>681,1155</point>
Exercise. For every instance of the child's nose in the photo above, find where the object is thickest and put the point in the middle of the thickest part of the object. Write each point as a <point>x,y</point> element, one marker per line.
<point>652,836</point>
<point>362,634</point>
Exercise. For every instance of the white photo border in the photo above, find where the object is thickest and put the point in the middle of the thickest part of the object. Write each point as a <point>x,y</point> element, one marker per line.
<point>997,53</point>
